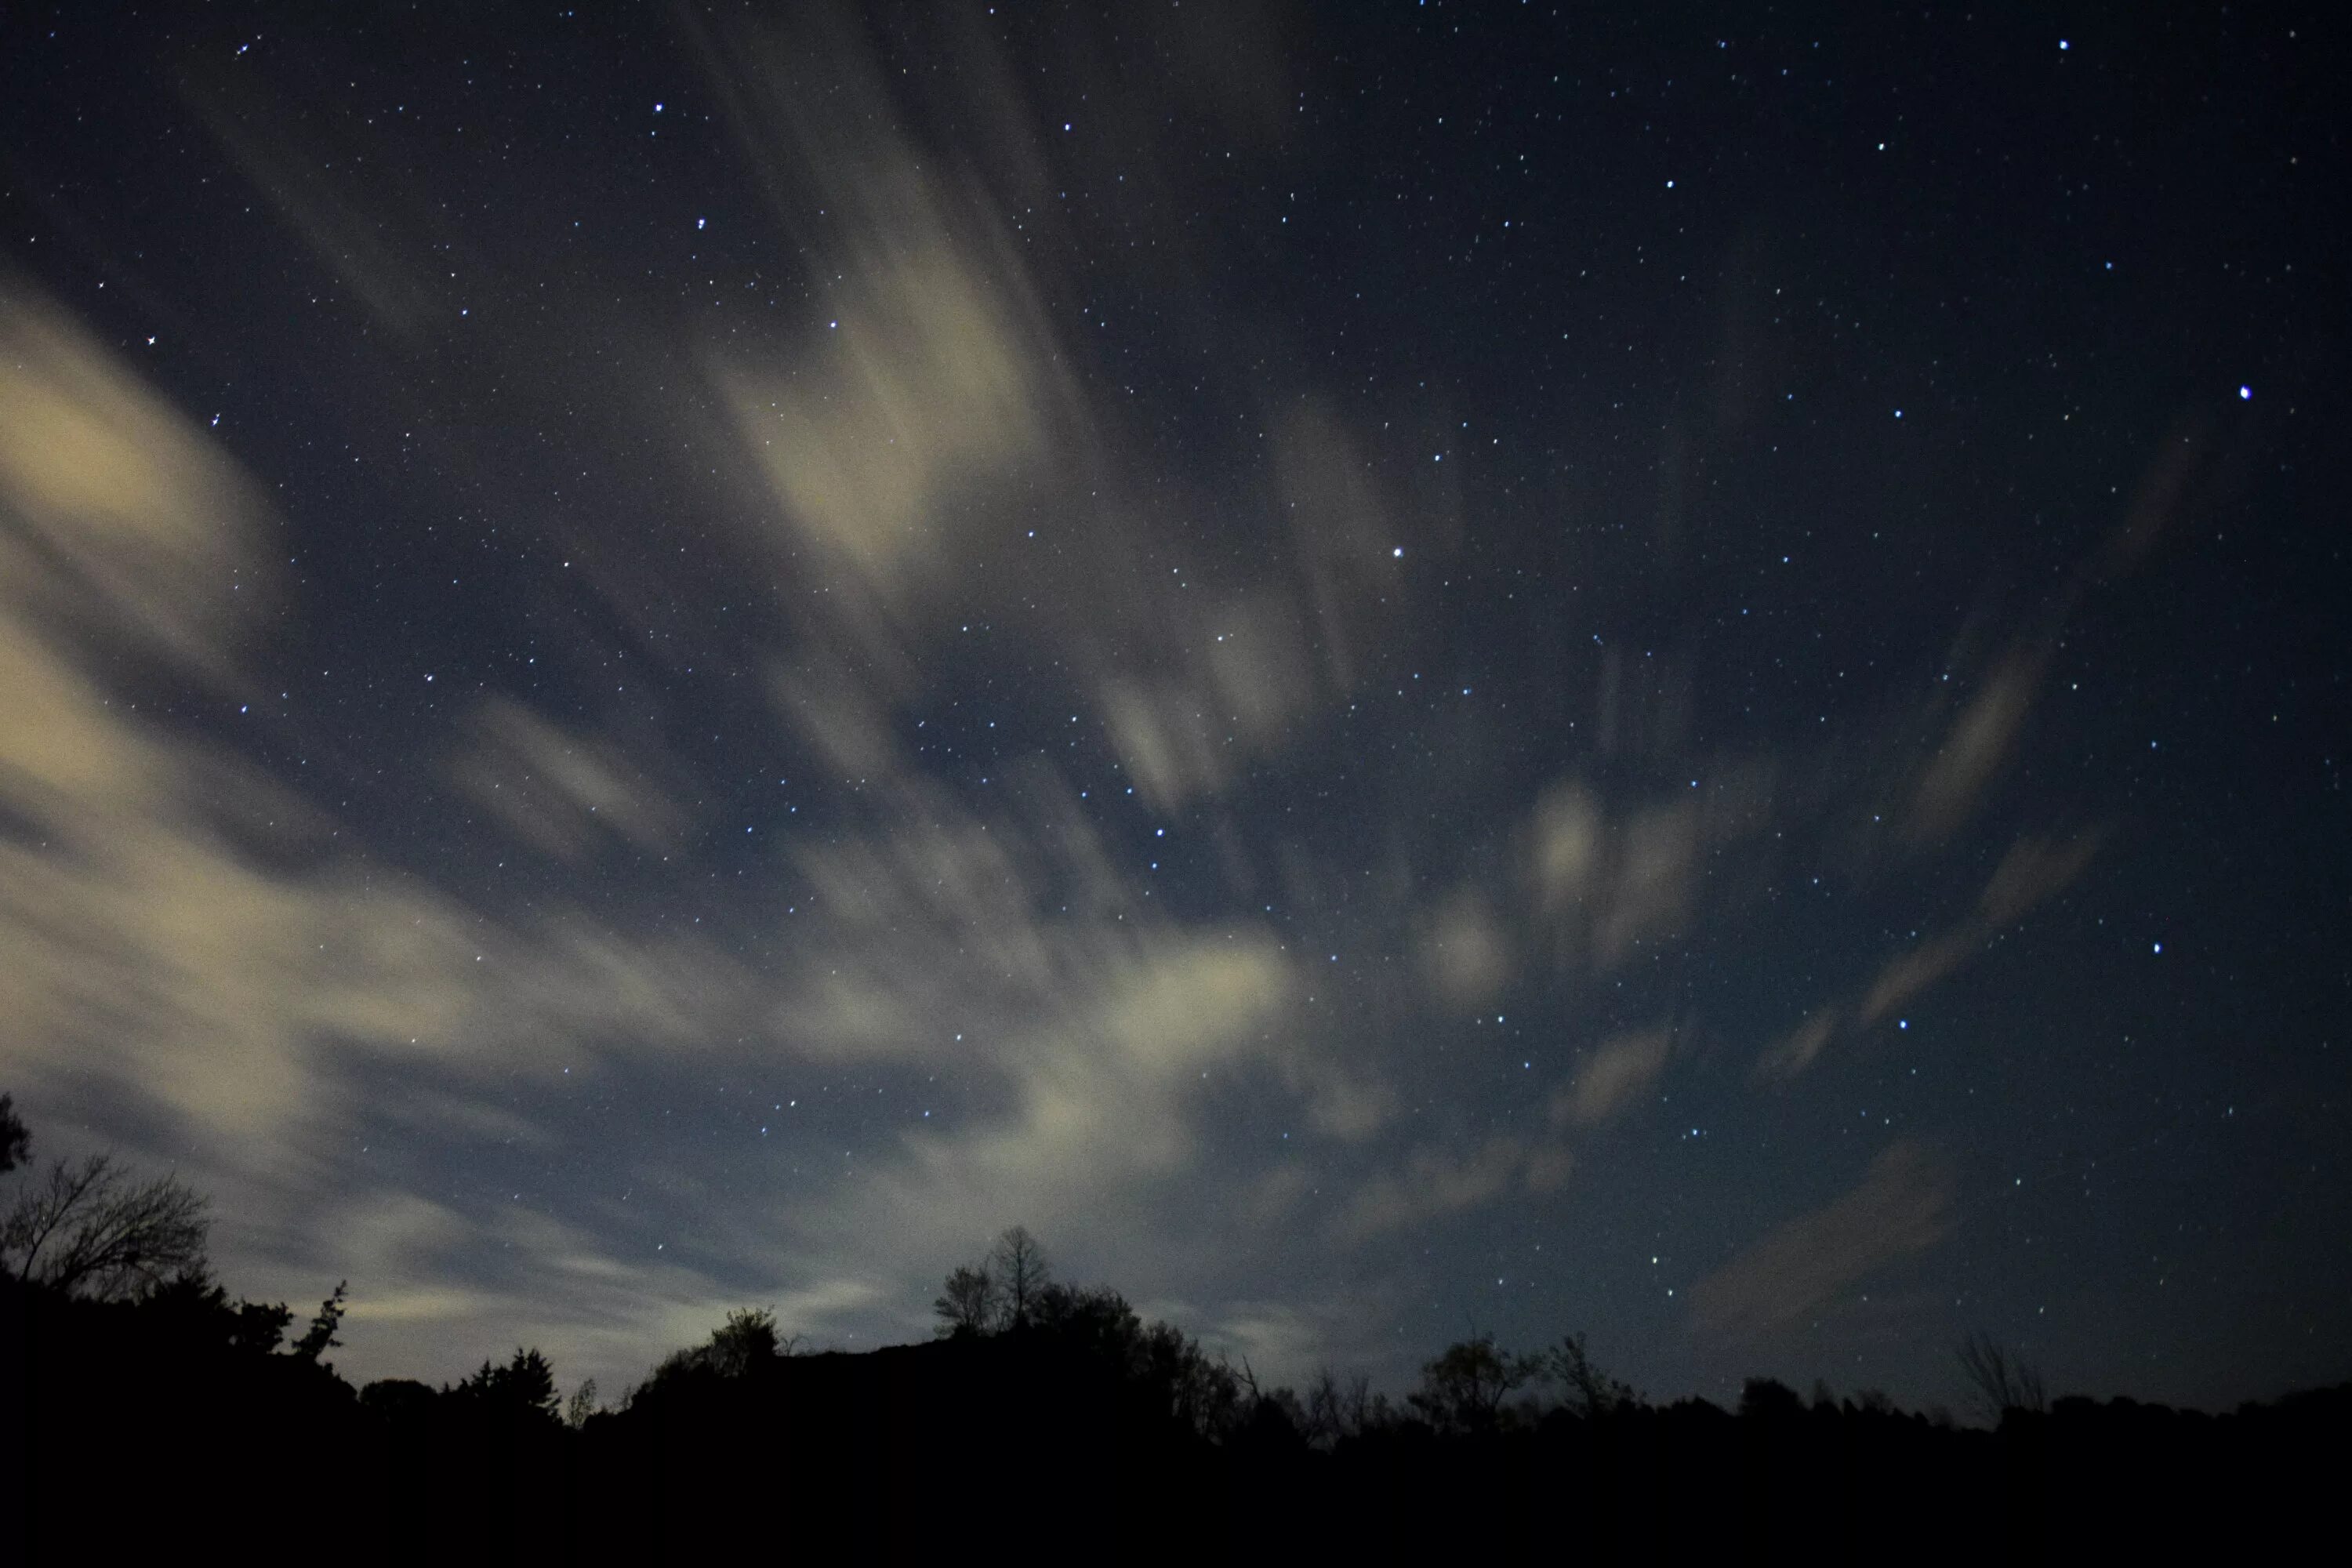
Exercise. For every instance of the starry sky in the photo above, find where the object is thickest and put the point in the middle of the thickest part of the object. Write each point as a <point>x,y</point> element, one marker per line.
<point>1391,669</point>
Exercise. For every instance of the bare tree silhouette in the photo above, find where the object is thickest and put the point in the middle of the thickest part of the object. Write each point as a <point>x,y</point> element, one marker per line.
<point>1999,1381</point>
<point>1019,1266</point>
<point>1587,1390</point>
<point>1335,1410</point>
<point>1463,1389</point>
<point>90,1229</point>
<point>968,1302</point>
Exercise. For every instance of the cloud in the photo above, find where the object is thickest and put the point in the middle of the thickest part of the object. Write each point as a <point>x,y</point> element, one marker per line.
<point>335,191</point>
<point>2033,869</point>
<point>1465,950</point>
<point>933,384</point>
<point>1607,883</point>
<point>1795,1051</point>
<point>557,791</point>
<point>1615,1072</point>
<point>1437,1182</point>
<point>1241,678</point>
<point>435,1292</point>
<point>1978,743</point>
<point>923,392</point>
<point>1902,1206</point>
<point>1908,975</point>
<point>117,510</point>
<point>1566,833</point>
<point>1283,1342</point>
<point>1342,533</point>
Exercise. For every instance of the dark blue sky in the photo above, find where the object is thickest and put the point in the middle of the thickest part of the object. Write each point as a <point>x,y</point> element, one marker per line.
<point>1389,668</point>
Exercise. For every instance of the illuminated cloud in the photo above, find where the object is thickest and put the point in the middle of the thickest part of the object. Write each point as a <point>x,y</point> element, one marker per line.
<point>1616,1071</point>
<point>1795,1052</point>
<point>123,522</point>
<point>560,792</point>
<point>2033,869</point>
<point>1978,743</point>
<point>1436,1181</point>
<point>1567,847</point>
<point>1909,974</point>
<point>1465,950</point>
<point>923,395</point>
<point>1902,1206</point>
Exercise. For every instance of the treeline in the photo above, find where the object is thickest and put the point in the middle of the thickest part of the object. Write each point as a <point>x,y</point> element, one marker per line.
<point>141,1409</point>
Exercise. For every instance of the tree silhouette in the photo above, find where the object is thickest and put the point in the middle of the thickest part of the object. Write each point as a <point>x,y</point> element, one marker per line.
<point>1463,1389</point>
<point>748,1339</point>
<point>15,1138</point>
<point>1765,1399</point>
<point>1018,1263</point>
<point>1999,1381</point>
<point>191,1310</point>
<point>525,1385</point>
<point>1587,1390</point>
<point>320,1337</point>
<point>581,1405</point>
<point>88,1228</point>
<point>1335,1410</point>
<point>967,1303</point>
<point>397,1399</point>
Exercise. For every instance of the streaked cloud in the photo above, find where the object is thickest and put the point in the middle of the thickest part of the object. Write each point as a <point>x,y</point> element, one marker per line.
<point>1976,747</point>
<point>1902,1206</point>
<point>2033,869</point>
<point>1611,1076</point>
<point>560,792</point>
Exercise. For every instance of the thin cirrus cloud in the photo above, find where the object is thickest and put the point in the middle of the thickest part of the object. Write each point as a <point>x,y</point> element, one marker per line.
<point>2034,869</point>
<point>1611,1076</point>
<point>1901,1207</point>
<point>1436,1181</point>
<point>560,792</point>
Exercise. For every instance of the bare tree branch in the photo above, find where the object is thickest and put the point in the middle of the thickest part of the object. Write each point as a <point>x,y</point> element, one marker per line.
<point>90,1229</point>
<point>1019,1266</point>
<point>1999,1382</point>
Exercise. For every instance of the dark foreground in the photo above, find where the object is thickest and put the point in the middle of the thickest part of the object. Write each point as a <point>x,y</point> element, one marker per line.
<point>125,1436</point>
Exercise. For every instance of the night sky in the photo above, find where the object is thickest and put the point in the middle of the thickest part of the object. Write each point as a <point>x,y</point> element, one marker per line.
<point>1390,669</point>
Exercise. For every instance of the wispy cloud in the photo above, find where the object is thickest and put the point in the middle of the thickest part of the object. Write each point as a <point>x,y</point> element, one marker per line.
<point>1901,1206</point>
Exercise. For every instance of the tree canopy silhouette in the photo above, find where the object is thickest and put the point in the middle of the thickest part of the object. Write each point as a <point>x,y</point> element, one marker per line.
<point>89,1227</point>
<point>1463,1389</point>
<point>16,1139</point>
<point>747,1341</point>
<point>968,1302</point>
<point>320,1337</point>
<point>525,1385</point>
